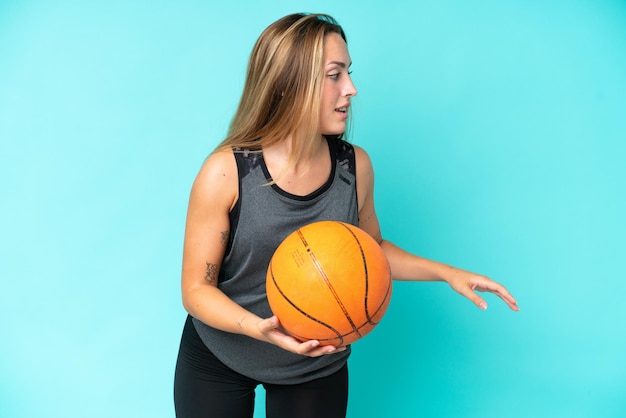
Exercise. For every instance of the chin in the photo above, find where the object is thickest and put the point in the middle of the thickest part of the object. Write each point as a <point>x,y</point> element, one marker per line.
<point>339,130</point>
<point>333,133</point>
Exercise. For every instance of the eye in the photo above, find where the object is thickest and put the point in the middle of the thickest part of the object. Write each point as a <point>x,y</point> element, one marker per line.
<point>335,76</point>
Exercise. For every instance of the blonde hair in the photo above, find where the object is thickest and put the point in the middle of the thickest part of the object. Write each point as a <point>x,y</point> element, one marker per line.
<point>281,95</point>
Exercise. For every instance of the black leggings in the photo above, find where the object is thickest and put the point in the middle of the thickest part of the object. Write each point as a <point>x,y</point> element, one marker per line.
<point>205,387</point>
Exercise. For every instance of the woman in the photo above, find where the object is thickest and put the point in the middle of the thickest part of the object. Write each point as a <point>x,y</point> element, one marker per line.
<point>283,165</point>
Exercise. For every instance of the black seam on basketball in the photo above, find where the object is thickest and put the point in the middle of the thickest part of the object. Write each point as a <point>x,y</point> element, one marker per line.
<point>382,304</point>
<point>365,298</point>
<point>322,273</point>
<point>312,318</point>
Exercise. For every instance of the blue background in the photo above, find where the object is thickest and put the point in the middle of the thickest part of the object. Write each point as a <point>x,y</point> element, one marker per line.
<point>497,130</point>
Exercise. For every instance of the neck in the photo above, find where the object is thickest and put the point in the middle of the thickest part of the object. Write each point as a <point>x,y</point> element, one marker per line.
<point>280,154</point>
<point>303,176</point>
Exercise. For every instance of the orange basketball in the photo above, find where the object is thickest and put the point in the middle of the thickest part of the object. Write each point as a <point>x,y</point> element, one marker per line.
<point>329,281</point>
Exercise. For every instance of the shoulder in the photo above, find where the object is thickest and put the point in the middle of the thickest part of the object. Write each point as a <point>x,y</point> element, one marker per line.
<point>364,168</point>
<point>217,180</point>
<point>364,176</point>
<point>219,167</point>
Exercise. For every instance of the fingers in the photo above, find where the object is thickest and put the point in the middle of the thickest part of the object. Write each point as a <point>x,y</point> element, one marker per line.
<point>503,294</point>
<point>477,300</point>
<point>509,300</point>
<point>270,327</point>
<point>312,348</point>
<point>318,350</point>
<point>469,283</point>
<point>488,285</point>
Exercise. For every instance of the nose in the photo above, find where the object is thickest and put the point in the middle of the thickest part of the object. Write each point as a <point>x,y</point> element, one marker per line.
<point>350,90</point>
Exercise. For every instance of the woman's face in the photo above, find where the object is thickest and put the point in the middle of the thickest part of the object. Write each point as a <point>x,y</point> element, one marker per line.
<point>337,88</point>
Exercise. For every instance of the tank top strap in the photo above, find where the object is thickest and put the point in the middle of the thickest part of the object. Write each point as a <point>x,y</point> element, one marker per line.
<point>344,154</point>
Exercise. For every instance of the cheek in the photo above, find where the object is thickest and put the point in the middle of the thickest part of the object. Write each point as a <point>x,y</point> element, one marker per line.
<point>328,94</point>
<point>330,105</point>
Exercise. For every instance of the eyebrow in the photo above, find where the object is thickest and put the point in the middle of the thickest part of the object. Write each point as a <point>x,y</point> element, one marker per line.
<point>339,63</point>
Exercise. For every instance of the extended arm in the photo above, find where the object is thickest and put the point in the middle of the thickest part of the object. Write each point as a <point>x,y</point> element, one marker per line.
<point>407,266</point>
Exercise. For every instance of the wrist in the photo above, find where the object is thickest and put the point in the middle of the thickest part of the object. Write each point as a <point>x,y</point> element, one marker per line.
<point>248,325</point>
<point>447,273</point>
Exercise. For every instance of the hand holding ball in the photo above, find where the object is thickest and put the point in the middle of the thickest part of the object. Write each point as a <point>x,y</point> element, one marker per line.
<point>329,281</point>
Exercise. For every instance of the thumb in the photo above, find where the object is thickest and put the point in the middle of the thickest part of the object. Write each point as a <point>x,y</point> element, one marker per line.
<point>480,302</point>
<point>477,300</point>
<point>269,324</point>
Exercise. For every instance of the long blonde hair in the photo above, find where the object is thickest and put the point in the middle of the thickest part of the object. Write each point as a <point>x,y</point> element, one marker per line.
<point>281,95</point>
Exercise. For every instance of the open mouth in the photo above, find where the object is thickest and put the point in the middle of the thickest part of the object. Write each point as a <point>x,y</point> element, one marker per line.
<point>341,109</point>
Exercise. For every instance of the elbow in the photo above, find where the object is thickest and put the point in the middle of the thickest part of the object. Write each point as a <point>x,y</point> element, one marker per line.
<point>187,298</point>
<point>186,303</point>
<point>187,306</point>
<point>195,294</point>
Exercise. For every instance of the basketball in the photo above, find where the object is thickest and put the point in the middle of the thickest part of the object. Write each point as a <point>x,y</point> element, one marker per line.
<point>329,281</point>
